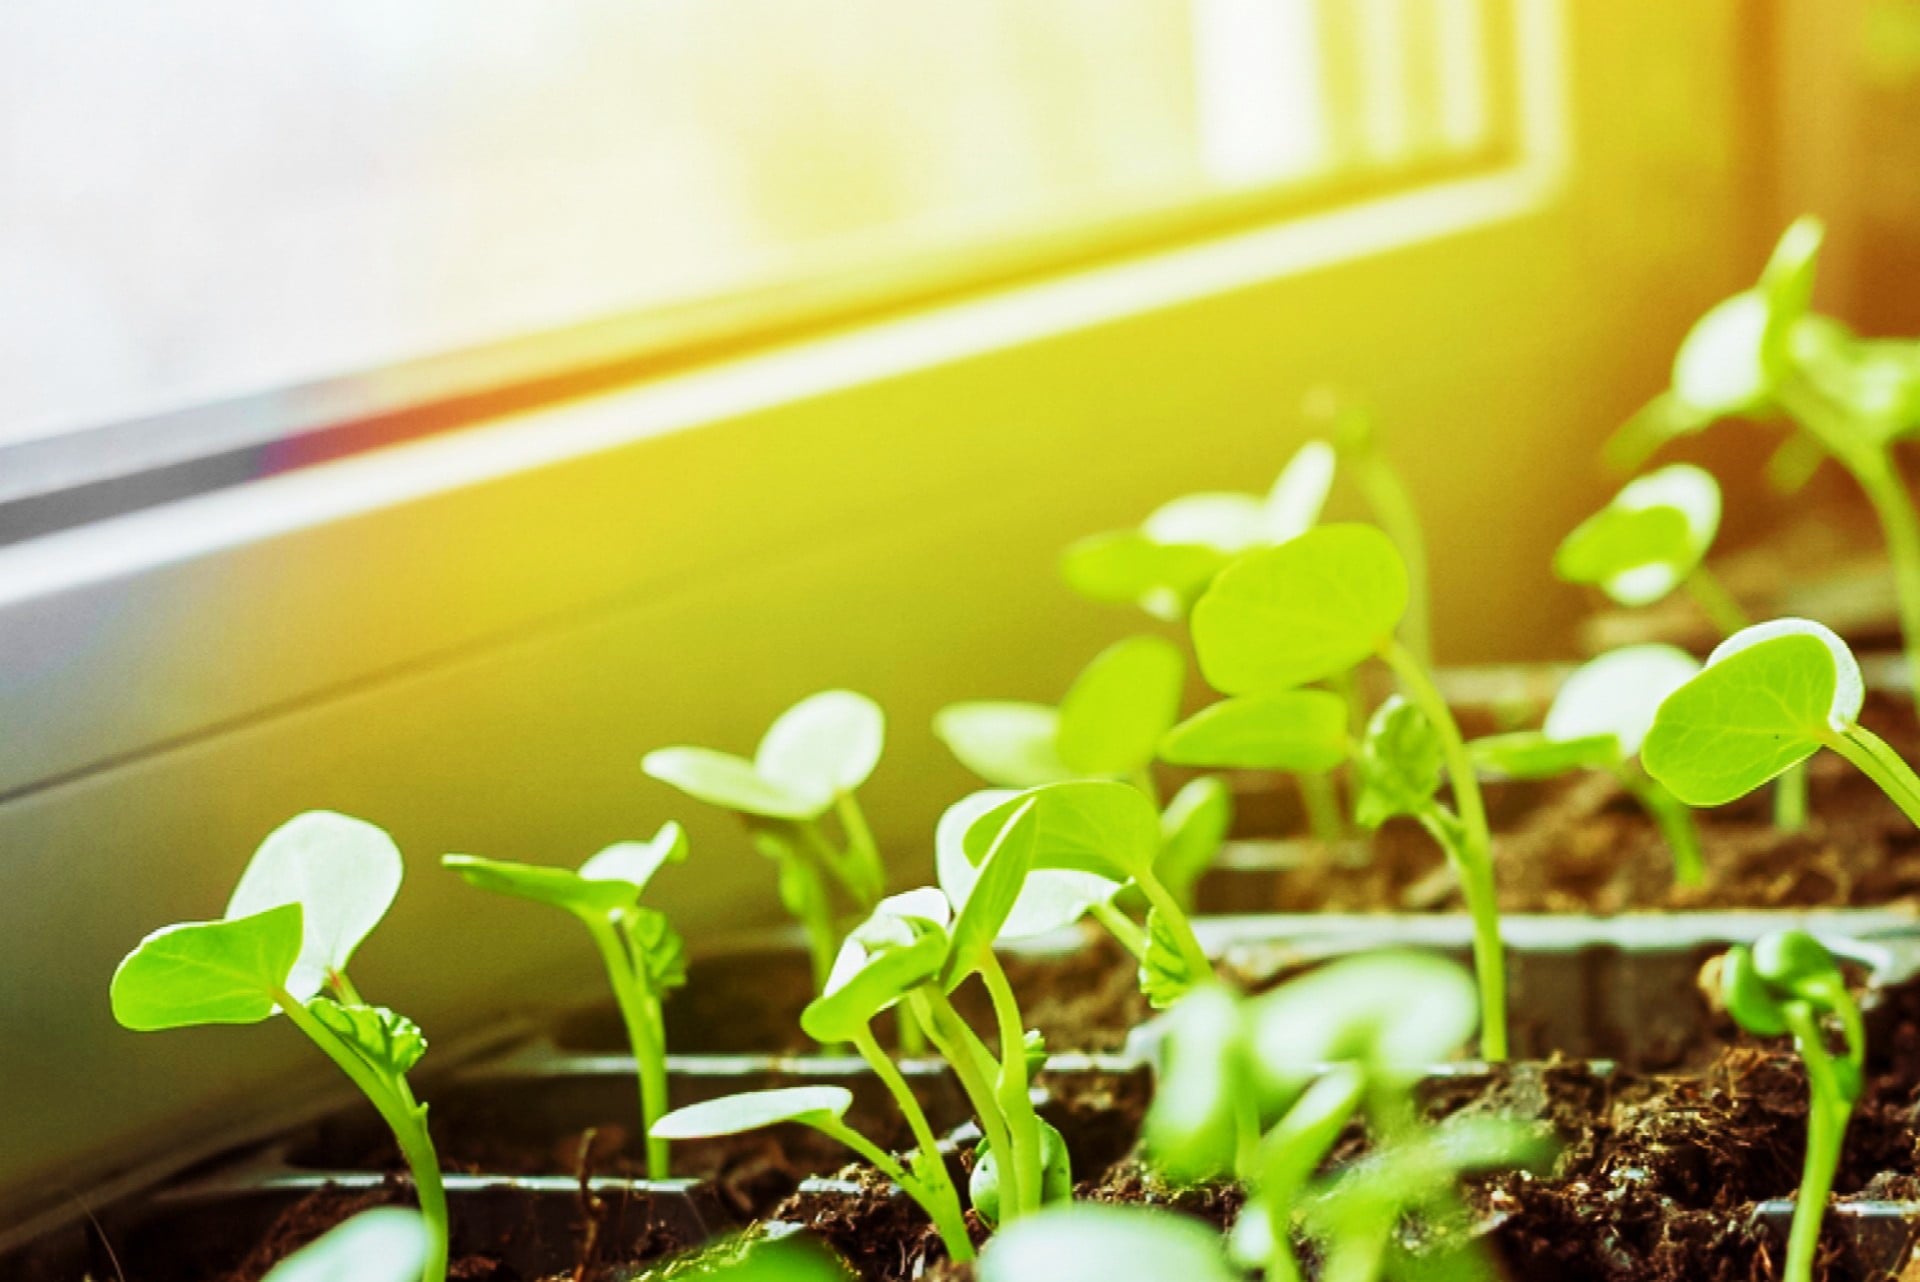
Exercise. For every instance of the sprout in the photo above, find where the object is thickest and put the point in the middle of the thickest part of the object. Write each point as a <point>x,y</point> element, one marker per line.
<point>1769,698</point>
<point>1314,609</point>
<point>1652,538</point>
<point>314,889</point>
<point>387,1244</point>
<point>811,760</point>
<point>914,950</point>
<point>644,957</point>
<point>1597,722</point>
<point>1789,983</point>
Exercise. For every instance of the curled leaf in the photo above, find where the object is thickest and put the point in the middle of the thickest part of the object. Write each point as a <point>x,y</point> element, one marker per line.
<point>385,1039</point>
<point>751,1110</point>
<point>1049,900</point>
<point>1400,763</point>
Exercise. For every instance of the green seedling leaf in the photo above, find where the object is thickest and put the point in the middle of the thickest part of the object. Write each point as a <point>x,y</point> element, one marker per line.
<point>1720,369</point>
<point>1290,730</point>
<point>1228,523</point>
<point>1129,568</point>
<point>388,1244</point>
<point>823,746</point>
<point>343,872</point>
<point>751,1110</point>
<point>636,862</point>
<point>1192,829</point>
<point>1792,962</point>
<point>1299,493</point>
<point>1011,745</point>
<point>1310,608</point>
<point>1652,535</point>
<point>385,1039</point>
<point>557,887</point>
<point>1113,716</point>
<point>1400,763</point>
<point>1747,996</point>
<point>1786,284</point>
<point>208,972</point>
<point>1533,754</point>
<point>1190,1129</point>
<point>1091,826</point>
<point>658,948</point>
<point>1050,900</point>
<point>1056,1175</point>
<point>901,946</point>
<point>1768,698</point>
<point>1165,973</point>
<point>729,782</point>
<point>1392,1011</point>
<point>991,898</point>
<point>1618,695</point>
<point>1095,1242</point>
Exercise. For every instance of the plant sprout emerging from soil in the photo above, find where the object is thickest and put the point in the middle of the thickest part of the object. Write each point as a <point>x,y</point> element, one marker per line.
<point>811,761</point>
<point>1770,697</point>
<point>1164,565</point>
<point>1105,834</point>
<point>1789,983</point>
<point>1311,609</point>
<point>1652,538</point>
<point>1763,352</point>
<point>1262,1088</point>
<point>1096,1242</point>
<point>314,889</point>
<point>916,949</point>
<point>387,1244</point>
<point>643,955</point>
<point>1598,721</point>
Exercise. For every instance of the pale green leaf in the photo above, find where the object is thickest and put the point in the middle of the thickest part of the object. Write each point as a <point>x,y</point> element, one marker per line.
<point>636,862</point>
<point>991,898</point>
<point>343,872</point>
<point>387,1244</point>
<point>385,1039</point>
<point>1720,368</point>
<point>559,887</point>
<point>1203,1076</point>
<point>1786,283</point>
<point>1092,826</point>
<point>1533,754</point>
<point>1011,745</point>
<point>1298,493</point>
<point>1399,763</point>
<point>1129,568</point>
<point>751,1110</point>
<point>1768,698</point>
<point>208,972</point>
<point>1193,827</point>
<point>1290,730</point>
<point>884,959</point>
<point>1050,900</point>
<point>1394,1011</point>
<point>1097,1242</point>
<point>1652,535</point>
<point>1227,523</point>
<point>729,782</point>
<point>825,745</point>
<point>1112,718</point>
<point>1618,694</point>
<point>1310,608</point>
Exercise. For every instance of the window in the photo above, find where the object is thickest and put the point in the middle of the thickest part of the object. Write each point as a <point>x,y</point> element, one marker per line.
<point>238,237</point>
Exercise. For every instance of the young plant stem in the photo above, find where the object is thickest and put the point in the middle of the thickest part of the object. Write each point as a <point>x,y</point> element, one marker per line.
<point>843,866</point>
<point>404,1116</point>
<point>1718,604</point>
<point>1790,799</point>
<point>640,1012</point>
<point>951,1036</point>
<point>863,852</point>
<point>1023,1125</point>
<point>1870,753</point>
<point>941,1202</point>
<point>1675,822</point>
<point>1122,927</point>
<point>1472,852</point>
<point>1324,816</point>
<point>939,1197</point>
<point>1829,1106</point>
<point>1386,496</point>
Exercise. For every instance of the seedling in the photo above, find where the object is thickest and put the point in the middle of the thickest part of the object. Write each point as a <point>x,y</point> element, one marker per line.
<point>1598,721</point>
<point>387,1244</point>
<point>1789,983</point>
<point>314,889</point>
<point>1764,351</point>
<point>1316,608</point>
<point>916,949</point>
<point>810,761</point>
<point>1111,833</point>
<point>1262,1088</point>
<point>1769,697</point>
<point>1164,565</point>
<point>644,958</point>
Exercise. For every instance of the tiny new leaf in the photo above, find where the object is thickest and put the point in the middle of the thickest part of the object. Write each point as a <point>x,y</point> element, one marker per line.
<point>1113,716</point>
<point>208,972</point>
<point>1165,973</point>
<point>1289,730</point>
<point>1768,698</point>
<point>752,1110</point>
<point>1312,607</point>
<point>342,871</point>
<point>823,746</point>
<point>1050,900</point>
<point>1399,764</point>
<point>385,1039</point>
<point>1010,745</point>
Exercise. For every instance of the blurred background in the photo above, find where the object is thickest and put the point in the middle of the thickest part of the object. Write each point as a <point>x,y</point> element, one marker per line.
<point>423,411</point>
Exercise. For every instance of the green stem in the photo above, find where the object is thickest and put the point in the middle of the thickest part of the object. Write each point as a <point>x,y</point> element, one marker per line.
<point>1473,851</point>
<point>404,1116</point>
<point>941,1201</point>
<point>1129,932</point>
<point>1790,799</point>
<point>1392,506</point>
<point>1675,822</point>
<point>1829,1105</point>
<point>1322,801</point>
<point>640,1012</point>
<point>844,867</point>
<point>937,1194</point>
<point>862,851</point>
<point>1870,753</point>
<point>816,918</point>
<point>951,1035</point>
<point>1489,954</point>
<point>1719,605</point>
<point>1023,1126</point>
